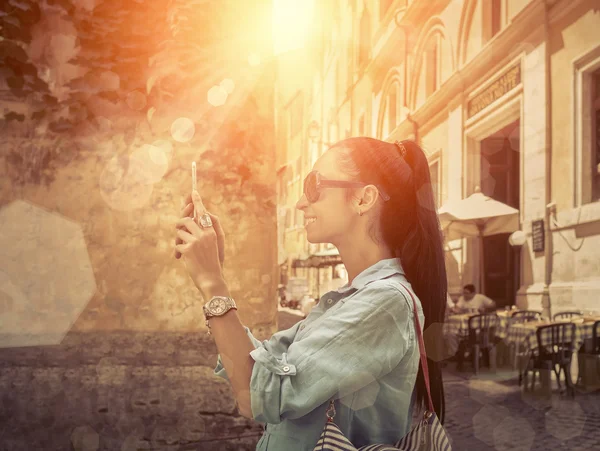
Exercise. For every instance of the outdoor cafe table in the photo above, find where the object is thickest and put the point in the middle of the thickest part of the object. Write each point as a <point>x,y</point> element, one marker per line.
<point>523,335</point>
<point>458,325</point>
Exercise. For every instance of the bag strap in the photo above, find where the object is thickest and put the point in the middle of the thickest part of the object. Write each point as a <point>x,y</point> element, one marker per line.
<point>422,353</point>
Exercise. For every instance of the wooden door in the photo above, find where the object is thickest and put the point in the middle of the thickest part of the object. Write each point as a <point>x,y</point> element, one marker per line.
<point>500,181</point>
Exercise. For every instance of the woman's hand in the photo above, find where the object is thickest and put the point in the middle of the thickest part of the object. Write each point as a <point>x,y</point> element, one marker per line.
<point>202,248</point>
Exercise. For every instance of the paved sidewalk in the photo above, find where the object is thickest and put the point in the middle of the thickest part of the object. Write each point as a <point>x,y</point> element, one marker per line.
<point>490,412</point>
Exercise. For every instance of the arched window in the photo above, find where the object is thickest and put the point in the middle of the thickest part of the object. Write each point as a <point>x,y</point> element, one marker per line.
<point>492,18</point>
<point>365,38</point>
<point>390,106</point>
<point>431,66</point>
<point>433,63</point>
<point>390,118</point>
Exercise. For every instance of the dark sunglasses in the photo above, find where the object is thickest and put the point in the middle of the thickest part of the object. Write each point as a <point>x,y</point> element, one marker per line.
<point>314,183</point>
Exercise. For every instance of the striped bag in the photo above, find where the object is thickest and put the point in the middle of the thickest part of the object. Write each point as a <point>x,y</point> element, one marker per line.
<point>428,435</point>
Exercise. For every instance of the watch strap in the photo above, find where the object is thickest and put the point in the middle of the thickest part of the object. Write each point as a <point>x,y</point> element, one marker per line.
<point>229,305</point>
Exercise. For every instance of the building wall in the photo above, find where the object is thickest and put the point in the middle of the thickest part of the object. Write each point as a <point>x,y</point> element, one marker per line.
<point>549,42</point>
<point>574,46</point>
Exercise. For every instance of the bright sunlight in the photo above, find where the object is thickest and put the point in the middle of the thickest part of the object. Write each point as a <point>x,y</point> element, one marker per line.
<point>292,21</point>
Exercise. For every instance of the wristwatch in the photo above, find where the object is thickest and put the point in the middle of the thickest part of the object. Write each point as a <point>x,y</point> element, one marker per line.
<point>217,306</point>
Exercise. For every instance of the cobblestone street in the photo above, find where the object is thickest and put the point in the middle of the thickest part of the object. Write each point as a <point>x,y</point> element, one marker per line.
<point>490,412</point>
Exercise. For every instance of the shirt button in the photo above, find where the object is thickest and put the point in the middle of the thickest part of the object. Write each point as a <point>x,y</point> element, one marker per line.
<point>286,369</point>
<point>302,327</point>
<point>329,301</point>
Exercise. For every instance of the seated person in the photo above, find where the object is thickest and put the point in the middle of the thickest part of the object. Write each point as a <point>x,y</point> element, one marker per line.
<point>451,307</point>
<point>471,301</point>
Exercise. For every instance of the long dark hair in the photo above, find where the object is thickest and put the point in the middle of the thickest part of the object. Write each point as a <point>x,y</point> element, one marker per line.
<point>410,227</point>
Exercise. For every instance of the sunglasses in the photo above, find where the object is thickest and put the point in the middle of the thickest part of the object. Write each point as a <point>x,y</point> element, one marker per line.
<point>314,183</point>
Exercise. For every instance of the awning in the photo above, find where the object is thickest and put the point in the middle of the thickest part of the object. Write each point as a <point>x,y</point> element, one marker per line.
<point>323,259</point>
<point>300,263</point>
<point>478,216</point>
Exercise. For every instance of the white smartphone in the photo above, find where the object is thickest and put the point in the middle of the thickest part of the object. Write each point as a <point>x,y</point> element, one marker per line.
<point>194,183</point>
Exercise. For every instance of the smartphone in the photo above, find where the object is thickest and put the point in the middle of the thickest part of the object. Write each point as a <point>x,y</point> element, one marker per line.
<point>194,183</point>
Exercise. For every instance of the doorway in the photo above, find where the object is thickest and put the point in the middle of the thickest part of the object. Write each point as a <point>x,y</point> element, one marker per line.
<point>500,181</point>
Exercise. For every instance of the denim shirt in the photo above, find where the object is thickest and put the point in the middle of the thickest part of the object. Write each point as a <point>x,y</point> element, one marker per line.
<point>357,346</point>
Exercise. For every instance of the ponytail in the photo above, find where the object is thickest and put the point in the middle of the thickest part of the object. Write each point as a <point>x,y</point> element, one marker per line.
<point>409,226</point>
<point>422,256</point>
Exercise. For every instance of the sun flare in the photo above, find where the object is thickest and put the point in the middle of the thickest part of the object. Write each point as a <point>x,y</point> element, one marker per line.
<point>292,22</point>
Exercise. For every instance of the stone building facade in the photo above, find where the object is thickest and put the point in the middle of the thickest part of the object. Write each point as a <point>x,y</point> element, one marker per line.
<point>502,95</point>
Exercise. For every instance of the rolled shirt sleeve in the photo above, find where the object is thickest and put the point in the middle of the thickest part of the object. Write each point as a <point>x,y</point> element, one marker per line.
<point>220,369</point>
<point>285,336</point>
<point>349,347</point>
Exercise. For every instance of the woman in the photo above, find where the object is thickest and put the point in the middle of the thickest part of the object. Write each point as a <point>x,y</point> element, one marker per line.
<point>373,200</point>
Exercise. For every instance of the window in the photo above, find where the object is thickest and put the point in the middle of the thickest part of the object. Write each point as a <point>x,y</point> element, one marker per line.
<point>392,105</point>
<point>492,18</point>
<point>350,65</point>
<point>339,87</point>
<point>431,65</point>
<point>595,135</point>
<point>496,16</point>
<point>299,217</point>
<point>434,171</point>
<point>365,38</point>
<point>296,111</point>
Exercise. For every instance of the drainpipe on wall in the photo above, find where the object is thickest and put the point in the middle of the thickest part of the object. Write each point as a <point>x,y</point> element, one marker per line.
<point>550,207</point>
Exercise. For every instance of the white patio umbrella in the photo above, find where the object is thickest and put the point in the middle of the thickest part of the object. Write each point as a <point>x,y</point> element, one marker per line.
<point>477,216</point>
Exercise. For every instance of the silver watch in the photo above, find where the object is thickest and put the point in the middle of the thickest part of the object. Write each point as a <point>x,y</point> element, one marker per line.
<point>217,306</point>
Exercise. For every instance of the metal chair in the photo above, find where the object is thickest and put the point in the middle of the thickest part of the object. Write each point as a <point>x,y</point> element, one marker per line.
<point>590,355</point>
<point>555,347</point>
<point>596,338</point>
<point>561,316</point>
<point>523,316</point>
<point>481,338</point>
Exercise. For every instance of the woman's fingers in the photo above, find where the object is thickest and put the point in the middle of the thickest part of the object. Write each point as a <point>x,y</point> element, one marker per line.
<point>187,212</point>
<point>184,236</point>
<point>191,226</point>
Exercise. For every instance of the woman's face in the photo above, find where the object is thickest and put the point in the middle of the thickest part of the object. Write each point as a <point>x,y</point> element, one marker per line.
<point>332,217</point>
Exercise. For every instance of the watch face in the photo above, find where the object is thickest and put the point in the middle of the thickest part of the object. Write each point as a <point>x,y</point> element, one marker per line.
<point>218,306</point>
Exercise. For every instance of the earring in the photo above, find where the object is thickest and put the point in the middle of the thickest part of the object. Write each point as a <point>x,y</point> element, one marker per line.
<point>360,213</point>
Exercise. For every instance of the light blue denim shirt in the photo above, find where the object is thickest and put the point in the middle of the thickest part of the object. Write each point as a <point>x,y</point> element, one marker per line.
<point>357,346</point>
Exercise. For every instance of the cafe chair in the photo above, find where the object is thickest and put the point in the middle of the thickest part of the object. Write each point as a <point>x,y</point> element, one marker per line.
<point>522,316</point>
<point>596,338</point>
<point>554,352</point>
<point>561,316</point>
<point>480,340</point>
<point>589,361</point>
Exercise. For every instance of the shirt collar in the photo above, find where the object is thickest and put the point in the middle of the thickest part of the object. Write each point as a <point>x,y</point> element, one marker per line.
<point>380,270</point>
